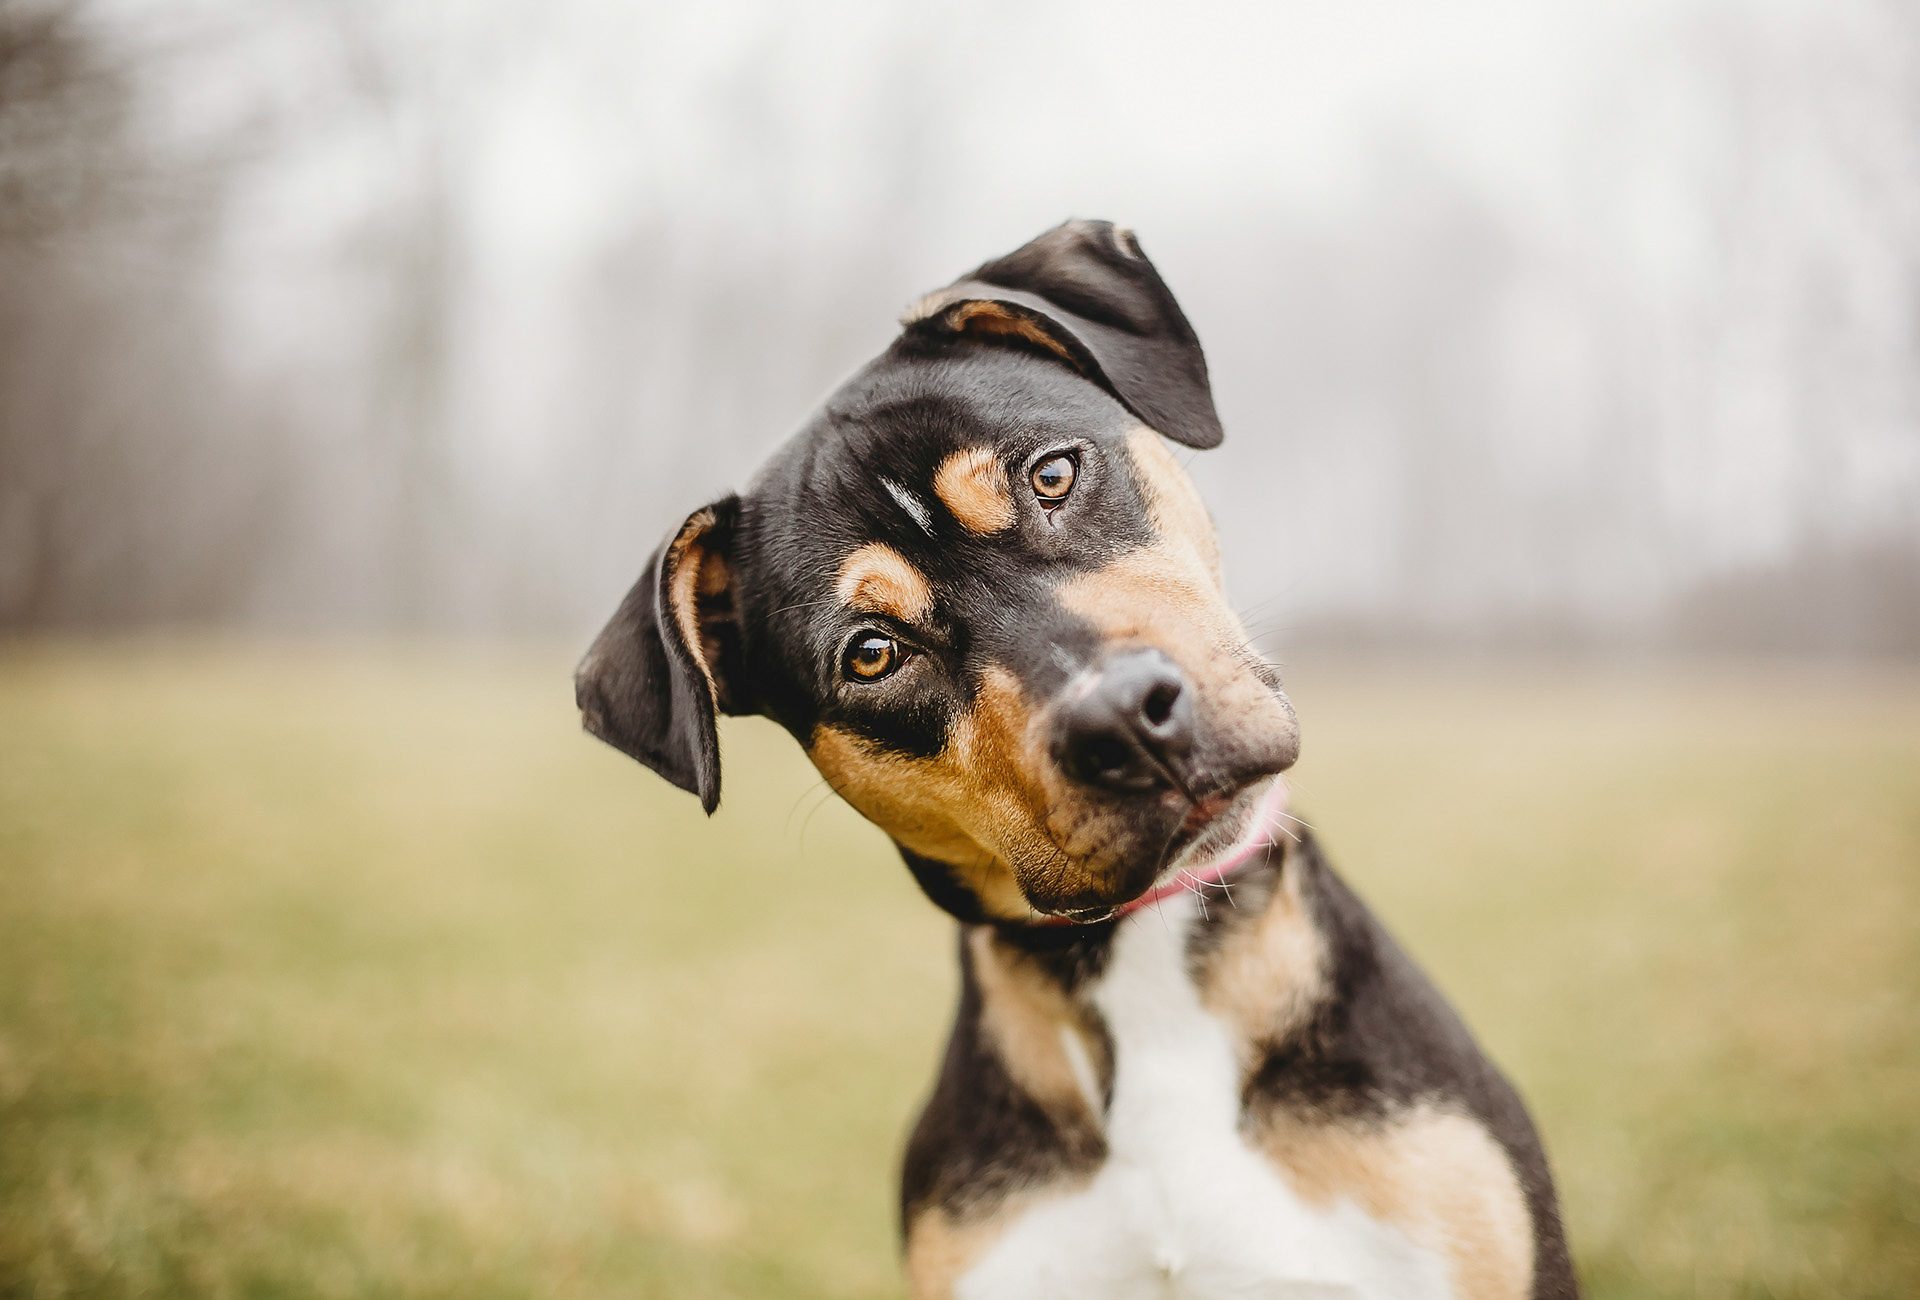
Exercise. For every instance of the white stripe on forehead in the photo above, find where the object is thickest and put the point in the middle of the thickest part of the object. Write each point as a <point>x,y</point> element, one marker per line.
<point>910,503</point>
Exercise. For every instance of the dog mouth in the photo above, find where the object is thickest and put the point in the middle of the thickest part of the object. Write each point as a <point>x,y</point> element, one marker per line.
<point>1218,826</point>
<point>1218,832</point>
<point>1205,811</point>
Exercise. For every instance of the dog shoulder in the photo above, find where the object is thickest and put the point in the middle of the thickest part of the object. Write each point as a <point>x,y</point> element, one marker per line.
<point>1364,1085</point>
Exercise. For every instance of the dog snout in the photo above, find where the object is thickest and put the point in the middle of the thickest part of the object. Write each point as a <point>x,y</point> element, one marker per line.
<point>1128,726</point>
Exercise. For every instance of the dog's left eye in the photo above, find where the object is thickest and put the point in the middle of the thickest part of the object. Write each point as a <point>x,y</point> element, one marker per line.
<point>871,656</point>
<point>1053,478</point>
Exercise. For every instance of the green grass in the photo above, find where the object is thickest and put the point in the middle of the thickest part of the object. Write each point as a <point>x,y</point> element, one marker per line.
<point>363,973</point>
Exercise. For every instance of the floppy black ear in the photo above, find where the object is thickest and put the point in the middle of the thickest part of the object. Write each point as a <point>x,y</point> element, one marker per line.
<point>1086,293</point>
<point>654,678</point>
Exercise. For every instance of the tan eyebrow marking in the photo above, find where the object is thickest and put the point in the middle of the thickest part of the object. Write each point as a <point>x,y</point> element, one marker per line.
<point>973,486</point>
<point>878,579</point>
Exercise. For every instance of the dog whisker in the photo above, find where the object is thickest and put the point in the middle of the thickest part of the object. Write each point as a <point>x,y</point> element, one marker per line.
<point>1161,913</point>
<point>1302,822</point>
<point>786,827</point>
<point>813,812</point>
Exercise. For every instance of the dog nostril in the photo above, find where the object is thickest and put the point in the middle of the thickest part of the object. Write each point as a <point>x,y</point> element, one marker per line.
<point>1104,756</point>
<point>1157,708</point>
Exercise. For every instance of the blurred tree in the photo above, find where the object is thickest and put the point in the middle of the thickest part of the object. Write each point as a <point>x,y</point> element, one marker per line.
<point>64,158</point>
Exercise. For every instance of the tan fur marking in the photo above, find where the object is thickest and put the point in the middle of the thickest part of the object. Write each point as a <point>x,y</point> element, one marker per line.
<point>1027,1019</point>
<point>1164,596</point>
<point>1267,977</point>
<point>942,1247</point>
<point>1157,588</point>
<point>877,579</point>
<point>940,1250</point>
<point>909,798</point>
<point>1179,515</point>
<point>687,562</point>
<point>983,317</point>
<point>1437,1175</point>
<point>973,485</point>
<point>978,805</point>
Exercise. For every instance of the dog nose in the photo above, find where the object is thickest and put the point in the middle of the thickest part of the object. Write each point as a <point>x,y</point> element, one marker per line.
<point>1131,727</point>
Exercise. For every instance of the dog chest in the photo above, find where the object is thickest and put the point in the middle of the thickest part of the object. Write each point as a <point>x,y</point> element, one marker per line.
<point>1183,1207</point>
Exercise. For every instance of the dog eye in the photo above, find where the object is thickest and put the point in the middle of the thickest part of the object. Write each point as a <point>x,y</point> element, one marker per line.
<point>872,656</point>
<point>1053,478</point>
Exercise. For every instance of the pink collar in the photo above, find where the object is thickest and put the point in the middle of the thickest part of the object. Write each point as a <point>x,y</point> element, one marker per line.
<point>1254,840</point>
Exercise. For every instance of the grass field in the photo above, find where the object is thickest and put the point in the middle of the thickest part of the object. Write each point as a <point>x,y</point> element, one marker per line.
<point>363,973</point>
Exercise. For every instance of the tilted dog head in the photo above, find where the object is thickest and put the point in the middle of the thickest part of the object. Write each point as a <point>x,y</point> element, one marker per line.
<point>983,595</point>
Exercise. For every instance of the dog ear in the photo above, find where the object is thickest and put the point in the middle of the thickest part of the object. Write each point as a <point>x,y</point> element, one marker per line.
<point>655,677</point>
<point>1085,293</point>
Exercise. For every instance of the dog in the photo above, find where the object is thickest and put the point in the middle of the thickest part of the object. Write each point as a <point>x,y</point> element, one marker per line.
<point>985,598</point>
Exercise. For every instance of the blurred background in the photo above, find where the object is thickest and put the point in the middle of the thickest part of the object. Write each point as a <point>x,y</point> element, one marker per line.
<point>353,357</point>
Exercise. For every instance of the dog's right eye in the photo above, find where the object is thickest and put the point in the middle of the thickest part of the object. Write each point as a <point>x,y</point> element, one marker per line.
<point>871,656</point>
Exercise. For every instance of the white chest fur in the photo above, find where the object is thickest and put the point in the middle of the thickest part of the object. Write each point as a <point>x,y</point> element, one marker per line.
<point>1183,1209</point>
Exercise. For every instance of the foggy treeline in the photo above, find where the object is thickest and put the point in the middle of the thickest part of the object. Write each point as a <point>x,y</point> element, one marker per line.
<point>1592,331</point>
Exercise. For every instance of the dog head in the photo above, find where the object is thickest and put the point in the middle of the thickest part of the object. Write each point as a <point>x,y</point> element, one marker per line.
<point>981,592</point>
